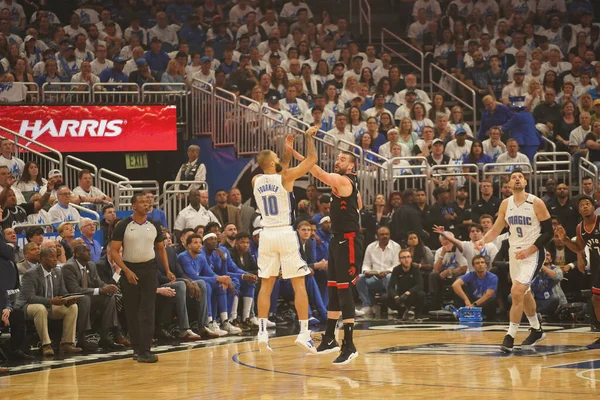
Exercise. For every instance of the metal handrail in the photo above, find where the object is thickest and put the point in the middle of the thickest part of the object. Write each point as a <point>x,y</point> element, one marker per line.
<point>108,186</point>
<point>27,141</point>
<point>86,210</point>
<point>123,200</point>
<point>364,10</point>
<point>147,87</point>
<point>553,160</point>
<point>384,46</point>
<point>71,179</point>
<point>473,107</point>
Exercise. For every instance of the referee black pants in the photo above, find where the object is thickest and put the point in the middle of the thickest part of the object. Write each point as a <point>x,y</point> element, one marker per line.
<point>139,304</point>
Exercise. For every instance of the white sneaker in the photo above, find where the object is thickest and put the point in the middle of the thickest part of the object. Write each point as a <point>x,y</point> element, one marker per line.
<point>213,328</point>
<point>232,330</point>
<point>254,321</point>
<point>263,342</point>
<point>271,324</point>
<point>359,313</point>
<point>366,310</point>
<point>305,342</point>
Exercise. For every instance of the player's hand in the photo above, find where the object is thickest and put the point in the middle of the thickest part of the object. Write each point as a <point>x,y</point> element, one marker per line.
<point>479,245</point>
<point>58,301</point>
<point>438,229</point>
<point>561,233</point>
<point>109,290</point>
<point>523,254</point>
<point>221,254</point>
<point>312,131</point>
<point>289,142</point>
<point>6,316</point>
<point>468,304</point>
<point>224,279</point>
<point>166,291</point>
<point>131,277</point>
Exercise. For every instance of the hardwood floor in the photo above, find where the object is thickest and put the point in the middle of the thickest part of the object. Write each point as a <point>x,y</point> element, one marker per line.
<point>408,361</point>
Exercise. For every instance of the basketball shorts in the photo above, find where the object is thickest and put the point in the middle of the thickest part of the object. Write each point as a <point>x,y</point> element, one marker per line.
<point>596,281</point>
<point>279,248</point>
<point>345,259</point>
<point>524,271</point>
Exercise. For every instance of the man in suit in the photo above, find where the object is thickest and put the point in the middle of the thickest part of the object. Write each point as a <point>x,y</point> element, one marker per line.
<point>41,297</point>
<point>31,252</point>
<point>406,218</point>
<point>81,276</point>
<point>110,273</point>
<point>246,212</point>
<point>224,212</point>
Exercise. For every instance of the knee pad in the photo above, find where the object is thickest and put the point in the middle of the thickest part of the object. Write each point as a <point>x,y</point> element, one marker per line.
<point>346,303</point>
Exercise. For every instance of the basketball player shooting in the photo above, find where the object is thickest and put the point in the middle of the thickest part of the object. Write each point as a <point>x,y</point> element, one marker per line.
<point>279,246</point>
<point>345,253</point>
<point>530,227</point>
<point>588,233</point>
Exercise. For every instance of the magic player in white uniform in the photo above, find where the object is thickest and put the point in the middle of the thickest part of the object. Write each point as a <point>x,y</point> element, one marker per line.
<point>279,246</point>
<point>530,228</point>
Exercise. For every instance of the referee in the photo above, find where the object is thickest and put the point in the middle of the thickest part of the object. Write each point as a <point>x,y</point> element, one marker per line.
<point>139,236</point>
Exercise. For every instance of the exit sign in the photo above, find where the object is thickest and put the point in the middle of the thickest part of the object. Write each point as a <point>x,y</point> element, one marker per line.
<point>136,160</point>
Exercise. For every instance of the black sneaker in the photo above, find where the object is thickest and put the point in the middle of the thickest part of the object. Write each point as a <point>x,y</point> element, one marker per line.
<point>277,320</point>
<point>328,345</point>
<point>347,354</point>
<point>595,345</point>
<point>507,344</point>
<point>535,335</point>
<point>147,357</point>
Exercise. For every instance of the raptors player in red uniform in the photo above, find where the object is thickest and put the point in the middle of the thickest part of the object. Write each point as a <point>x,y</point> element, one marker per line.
<point>345,253</point>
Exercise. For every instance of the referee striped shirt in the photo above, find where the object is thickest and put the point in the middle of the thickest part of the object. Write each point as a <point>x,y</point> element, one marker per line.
<point>138,239</point>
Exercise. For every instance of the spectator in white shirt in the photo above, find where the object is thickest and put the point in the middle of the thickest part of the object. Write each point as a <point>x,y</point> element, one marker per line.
<point>193,215</point>
<point>93,39</point>
<point>74,28</point>
<point>135,29</point>
<point>292,104</point>
<point>105,17</point>
<point>339,133</point>
<point>432,8</point>
<point>513,157</point>
<point>85,76</point>
<point>289,11</point>
<point>577,136</point>
<point>516,88</point>
<point>14,164</point>
<point>411,84</point>
<point>81,51</point>
<point>101,63</point>
<point>494,146</point>
<point>379,260</point>
<point>16,12</point>
<point>238,14</point>
<point>418,29</point>
<point>164,32</point>
<point>63,211</point>
<point>87,192</point>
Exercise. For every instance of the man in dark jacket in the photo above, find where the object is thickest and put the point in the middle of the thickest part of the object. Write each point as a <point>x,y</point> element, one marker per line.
<point>405,290</point>
<point>407,218</point>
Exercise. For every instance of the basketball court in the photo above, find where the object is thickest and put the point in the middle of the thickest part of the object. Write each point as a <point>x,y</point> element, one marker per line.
<point>396,360</point>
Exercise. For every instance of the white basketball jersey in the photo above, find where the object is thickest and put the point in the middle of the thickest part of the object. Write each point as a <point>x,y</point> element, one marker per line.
<point>276,204</point>
<point>524,226</point>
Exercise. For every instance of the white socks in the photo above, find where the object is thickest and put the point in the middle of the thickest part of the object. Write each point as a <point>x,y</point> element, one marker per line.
<point>303,325</point>
<point>246,308</point>
<point>262,324</point>
<point>234,307</point>
<point>534,322</point>
<point>512,329</point>
<point>223,316</point>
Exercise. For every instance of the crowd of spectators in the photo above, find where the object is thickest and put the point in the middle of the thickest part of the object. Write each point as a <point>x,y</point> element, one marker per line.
<point>419,255</point>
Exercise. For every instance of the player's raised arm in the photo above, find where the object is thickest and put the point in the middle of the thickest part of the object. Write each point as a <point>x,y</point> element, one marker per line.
<point>576,246</point>
<point>291,174</point>
<point>329,178</point>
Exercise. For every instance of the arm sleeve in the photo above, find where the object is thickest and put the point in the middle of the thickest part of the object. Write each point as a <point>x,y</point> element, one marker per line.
<point>546,234</point>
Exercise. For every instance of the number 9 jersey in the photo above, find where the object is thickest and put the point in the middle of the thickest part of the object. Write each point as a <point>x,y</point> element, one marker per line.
<point>523,224</point>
